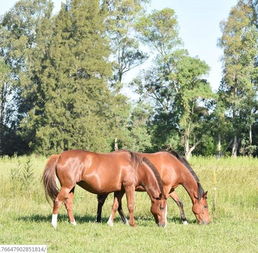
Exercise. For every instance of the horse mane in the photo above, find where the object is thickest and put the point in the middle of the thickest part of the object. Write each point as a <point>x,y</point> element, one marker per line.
<point>188,166</point>
<point>137,159</point>
<point>156,173</point>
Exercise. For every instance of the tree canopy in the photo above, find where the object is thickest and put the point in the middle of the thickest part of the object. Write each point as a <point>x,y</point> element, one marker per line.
<point>62,78</point>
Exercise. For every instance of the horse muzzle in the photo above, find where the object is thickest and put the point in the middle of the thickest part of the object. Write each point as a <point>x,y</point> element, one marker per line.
<point>163,225</point>
<point>204,222</point>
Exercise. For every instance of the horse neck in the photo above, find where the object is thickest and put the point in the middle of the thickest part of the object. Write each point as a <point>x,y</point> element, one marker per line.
<point>149,181</point>
<point>189,183</point>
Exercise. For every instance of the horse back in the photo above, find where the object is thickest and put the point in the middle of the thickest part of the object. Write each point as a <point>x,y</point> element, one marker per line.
<point>95,172</point>
<point>167,165</point>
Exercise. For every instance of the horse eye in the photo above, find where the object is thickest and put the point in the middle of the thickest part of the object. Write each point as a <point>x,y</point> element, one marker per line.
<point>205,206</point>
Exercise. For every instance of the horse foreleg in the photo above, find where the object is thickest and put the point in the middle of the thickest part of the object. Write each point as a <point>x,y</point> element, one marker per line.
<point>61,197</point>
<point>114,209</point>
<point>130,190</point>
<point>69,207</point>
<point>180,205</point>
<point>101,200</point>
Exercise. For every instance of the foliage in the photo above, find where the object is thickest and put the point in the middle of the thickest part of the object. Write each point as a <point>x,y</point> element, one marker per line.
<point>22,175</point>
<point>19,30</point>
<point>175,84</point>
<point>238,89</point>
<point>61,80</point>
<point>119,22</point>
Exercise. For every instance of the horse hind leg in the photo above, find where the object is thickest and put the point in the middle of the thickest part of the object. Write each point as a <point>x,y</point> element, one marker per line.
<point>130,190</point>
<point>62,196</point>
<point>180,205</point>
<point>120,210</point>
<point>101,201</point>
<point>69,206</point>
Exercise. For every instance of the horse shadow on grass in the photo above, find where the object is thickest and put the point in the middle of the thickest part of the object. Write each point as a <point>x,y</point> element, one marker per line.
<point>172,220</point>
<point>38,218</point>
<point>80,219</point>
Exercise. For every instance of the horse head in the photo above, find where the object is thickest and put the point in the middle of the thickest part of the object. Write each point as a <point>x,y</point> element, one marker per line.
<point>159,210</point>
<point>200,209</point>
<point>154,187</point>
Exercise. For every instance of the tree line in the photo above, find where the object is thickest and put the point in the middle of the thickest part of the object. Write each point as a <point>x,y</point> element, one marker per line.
<point>62,76</point>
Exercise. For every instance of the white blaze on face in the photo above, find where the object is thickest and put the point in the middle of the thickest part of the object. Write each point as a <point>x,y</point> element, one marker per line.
<point>166,214</point>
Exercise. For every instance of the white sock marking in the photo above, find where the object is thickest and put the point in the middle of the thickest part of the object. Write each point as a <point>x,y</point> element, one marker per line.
<point>110,221</point>
<point>54,220</point>
<point>73,223</point>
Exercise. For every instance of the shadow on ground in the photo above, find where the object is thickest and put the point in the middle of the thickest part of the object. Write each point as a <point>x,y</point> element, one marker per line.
<point>37,218</point>
<point>47,218</point>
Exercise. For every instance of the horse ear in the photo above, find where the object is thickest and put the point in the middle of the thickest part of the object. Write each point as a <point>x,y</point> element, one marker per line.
<point>205,195</point>
<point>161,196</point>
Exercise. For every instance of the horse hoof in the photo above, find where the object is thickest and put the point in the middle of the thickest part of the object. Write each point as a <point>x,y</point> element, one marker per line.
<point>54,225</point>
<point>111,224</point>
<point>73,223</point>
<point>185,222</point>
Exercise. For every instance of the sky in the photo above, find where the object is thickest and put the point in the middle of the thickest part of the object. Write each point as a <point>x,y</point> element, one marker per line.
<point>199,28</point>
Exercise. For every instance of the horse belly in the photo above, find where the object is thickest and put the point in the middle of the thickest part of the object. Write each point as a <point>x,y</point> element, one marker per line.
<point>97,185</point>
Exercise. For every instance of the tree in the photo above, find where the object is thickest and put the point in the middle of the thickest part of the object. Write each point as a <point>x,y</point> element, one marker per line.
<point>73,102</point>
<point>175,83</point>
<point>192,101</point>
<point>19,30</point>
<point>125,55</point>
<point>238,90</point>
<point>141,139</point>
<point>4,93</point>
<point>120,19</point>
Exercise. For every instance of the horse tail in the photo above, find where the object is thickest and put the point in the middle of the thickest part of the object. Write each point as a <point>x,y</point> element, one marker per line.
<point>49,178</point>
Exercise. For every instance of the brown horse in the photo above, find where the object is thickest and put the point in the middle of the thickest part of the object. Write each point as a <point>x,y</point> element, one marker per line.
<point>174,170</point>
<point>118,172</point>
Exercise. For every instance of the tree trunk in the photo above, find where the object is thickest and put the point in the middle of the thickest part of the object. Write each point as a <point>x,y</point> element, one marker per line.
<point>234,147</point>
<point>2,106</point>
<point>219,146</point>
<point>250,135</point>
<point>116,144</point>
<point>188,149</point>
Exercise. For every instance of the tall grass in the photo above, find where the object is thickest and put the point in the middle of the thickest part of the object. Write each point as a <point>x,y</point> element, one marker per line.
<point>232,197</point>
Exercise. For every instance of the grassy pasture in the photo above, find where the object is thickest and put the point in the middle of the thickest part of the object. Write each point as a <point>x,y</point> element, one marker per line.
<point>233,202</point>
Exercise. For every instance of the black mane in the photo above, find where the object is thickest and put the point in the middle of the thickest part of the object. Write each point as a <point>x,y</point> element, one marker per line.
<point>136,159</point>
<point>156,173</point>
<point>188,166</point>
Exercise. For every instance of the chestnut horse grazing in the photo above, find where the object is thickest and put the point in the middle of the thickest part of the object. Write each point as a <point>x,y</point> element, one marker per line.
<point>174,170</point>
<point>99,173</point>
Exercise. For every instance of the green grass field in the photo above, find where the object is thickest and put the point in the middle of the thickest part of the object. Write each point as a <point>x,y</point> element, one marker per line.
<point>233,203</point>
